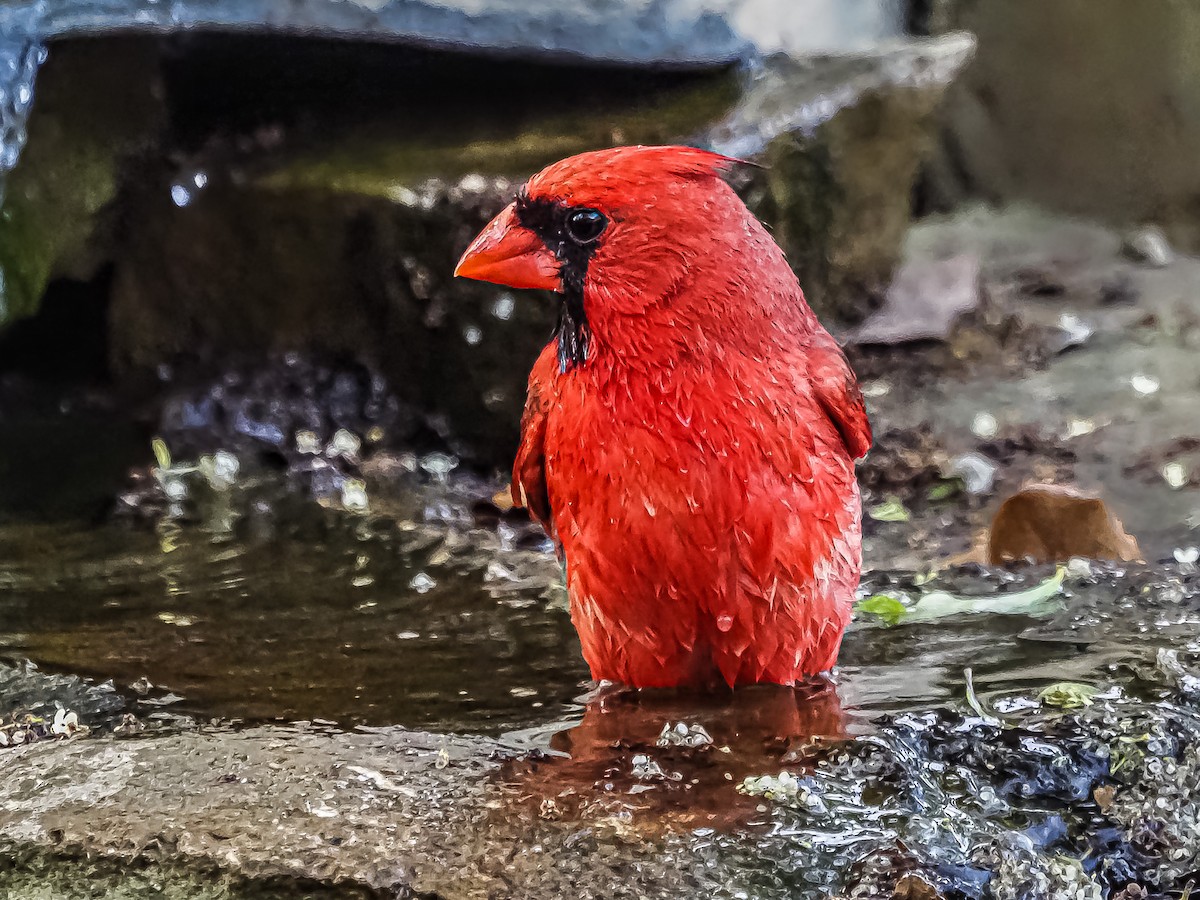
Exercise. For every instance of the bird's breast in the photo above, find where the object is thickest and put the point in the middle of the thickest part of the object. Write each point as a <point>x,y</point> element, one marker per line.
<point>688,444</point>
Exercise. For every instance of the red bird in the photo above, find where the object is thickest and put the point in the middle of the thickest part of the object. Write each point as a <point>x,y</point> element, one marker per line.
<point>690,433</point>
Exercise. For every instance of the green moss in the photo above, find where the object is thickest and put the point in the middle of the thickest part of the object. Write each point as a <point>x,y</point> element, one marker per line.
<point>381,158</point>
<point>26,257</point>
<point>94,105</point>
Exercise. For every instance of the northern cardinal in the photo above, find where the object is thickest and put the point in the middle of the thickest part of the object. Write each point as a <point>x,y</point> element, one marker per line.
<point>690,433</point>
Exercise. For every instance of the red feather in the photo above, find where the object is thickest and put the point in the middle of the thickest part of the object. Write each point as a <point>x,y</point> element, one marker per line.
<point>698,467</point>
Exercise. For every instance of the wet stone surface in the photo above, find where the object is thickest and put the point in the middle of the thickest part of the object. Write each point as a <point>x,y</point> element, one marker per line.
<point>1076,368</point>
<point>437,610</point>
<point>1062,793</point>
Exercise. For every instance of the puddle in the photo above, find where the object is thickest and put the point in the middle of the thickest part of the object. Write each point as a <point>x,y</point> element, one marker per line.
<point>361,622</point>
<point>344,625</point>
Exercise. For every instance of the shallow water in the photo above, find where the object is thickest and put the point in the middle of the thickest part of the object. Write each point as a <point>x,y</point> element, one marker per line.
<point>342,624</point>
<point>434,612</point>
<point>379,621</point>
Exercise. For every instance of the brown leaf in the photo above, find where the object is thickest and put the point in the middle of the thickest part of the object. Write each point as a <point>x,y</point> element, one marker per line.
<point>502,500</point>
<point>1051,523</point>
<point>915,887</point>
<point>1104,796</point>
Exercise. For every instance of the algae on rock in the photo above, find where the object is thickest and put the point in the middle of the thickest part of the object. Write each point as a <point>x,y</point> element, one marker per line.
<point>96,105</point>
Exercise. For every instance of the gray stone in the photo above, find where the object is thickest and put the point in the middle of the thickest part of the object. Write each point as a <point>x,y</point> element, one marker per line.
<point>387,811</point>
<point>656,32</point>
<point>1085,106</point>
<point>924,301</point>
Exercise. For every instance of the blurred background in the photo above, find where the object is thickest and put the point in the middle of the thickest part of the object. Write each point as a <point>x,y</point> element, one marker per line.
<point>207,191</point>
<point>254,439</point>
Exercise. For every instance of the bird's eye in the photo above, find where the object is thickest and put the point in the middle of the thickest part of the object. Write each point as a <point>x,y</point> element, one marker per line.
<point>585,225</point>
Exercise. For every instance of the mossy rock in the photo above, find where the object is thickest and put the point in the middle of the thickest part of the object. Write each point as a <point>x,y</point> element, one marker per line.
<point>341,237</point>
<point>96,104</point>
<point>838,198</point>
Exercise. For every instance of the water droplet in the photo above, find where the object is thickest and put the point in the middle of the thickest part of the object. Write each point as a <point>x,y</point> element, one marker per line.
<point>345,444</point>
<point>308,442</point>
<point>1144,385</point>
<point>1079,428</point>
<point>494,398</point>
<point>724,623</point>
<point>422,583</point>
<point>1176,475</point>
<point>439,465</point>
<point>503,308</point>
<point>354,495</point>
<point>473,183</point>
<point>984,425</point>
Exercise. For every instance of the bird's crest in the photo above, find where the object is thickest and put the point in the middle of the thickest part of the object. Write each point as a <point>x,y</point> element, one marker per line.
<point>620,170</point>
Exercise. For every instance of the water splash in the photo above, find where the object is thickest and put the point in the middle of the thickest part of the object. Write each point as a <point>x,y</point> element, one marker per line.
<point>21,52</point>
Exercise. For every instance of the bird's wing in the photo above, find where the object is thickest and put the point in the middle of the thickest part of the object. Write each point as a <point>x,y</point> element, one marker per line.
<point>836,389</point>
<point>529,470</point>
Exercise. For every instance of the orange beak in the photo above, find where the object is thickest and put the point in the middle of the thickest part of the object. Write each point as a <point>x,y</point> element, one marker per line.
<point>508,253</point>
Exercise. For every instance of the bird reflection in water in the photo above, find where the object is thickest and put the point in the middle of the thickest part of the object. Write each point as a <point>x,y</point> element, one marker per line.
<point>676,758</point>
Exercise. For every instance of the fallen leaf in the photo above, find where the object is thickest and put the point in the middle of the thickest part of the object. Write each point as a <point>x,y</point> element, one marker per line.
<point>889,609</point>
<point>973,700</point>
<point>1034,601</point>
<point>943,490</point>
<point>915,887</point>
<point>1068,695</point>
<point>1052,523</point>
<point>891,510</point>
<point>935,605</point>
<point>161,454</point>
<point>502,499</point>
<point>1104,796</point>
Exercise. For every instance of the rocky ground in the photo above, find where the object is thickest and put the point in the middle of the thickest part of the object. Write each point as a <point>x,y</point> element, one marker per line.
<point>1063,764</point>
<point>1080,789</point>
<point>300,644</point>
